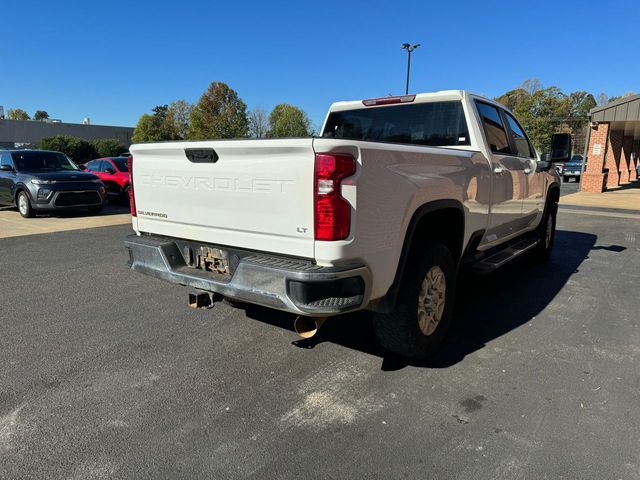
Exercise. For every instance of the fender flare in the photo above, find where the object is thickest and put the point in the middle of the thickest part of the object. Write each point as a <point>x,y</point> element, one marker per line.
<point>386,303</point>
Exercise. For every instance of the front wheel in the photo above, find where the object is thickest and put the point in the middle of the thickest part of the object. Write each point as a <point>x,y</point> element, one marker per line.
<point>419,322</point>
<point>24,206</point>
<point>547,233</point>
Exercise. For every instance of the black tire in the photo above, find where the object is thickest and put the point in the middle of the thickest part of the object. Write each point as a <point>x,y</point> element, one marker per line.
<point>24,205</point>
<point>125,194</point>
<point>399,331</point>
<point>97,208</point>
<point>546,232</point>
<point>565,178</point>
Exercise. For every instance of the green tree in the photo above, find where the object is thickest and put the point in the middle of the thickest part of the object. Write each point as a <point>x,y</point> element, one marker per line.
<point>147,129</point>
<point>108,147</point>
<point>542,111</point>
<point>220,113</point>
<point>513,98</point>
<point>288,121</point>
<point>40,115</point>
<point>17,114</point>
<point>156,127</point>
<point>179,115</point>
<point>77,149</point>
<point>166,124</point>
<point>580,103</point>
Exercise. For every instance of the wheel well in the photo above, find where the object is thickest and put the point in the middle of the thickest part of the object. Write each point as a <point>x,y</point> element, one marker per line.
<point>445,226</point>
<point>442,221</point>
<point>18,190</point>
<point>554,193</point>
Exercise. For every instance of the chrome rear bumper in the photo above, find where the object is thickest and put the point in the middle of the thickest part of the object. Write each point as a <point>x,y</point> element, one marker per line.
<point>292,285</point>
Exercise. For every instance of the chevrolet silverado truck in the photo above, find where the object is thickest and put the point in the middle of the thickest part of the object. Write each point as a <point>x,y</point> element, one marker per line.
<point>379,212</point>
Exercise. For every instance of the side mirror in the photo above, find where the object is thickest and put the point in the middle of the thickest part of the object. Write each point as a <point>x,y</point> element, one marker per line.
<point>561,147</point>
<point>6,168</point>
<point>82,167</point>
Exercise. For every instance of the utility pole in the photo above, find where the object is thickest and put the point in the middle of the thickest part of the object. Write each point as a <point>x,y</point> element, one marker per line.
<point>409,48</point>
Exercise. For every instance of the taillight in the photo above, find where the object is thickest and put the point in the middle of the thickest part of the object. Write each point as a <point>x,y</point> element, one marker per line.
<point>132,196</point>
<point>332,213</point>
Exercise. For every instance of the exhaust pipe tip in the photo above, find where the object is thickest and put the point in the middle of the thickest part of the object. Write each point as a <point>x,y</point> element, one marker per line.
<point>307,327</point>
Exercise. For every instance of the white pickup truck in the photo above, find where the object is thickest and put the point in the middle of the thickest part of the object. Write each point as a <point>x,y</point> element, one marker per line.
<point>379,212</point>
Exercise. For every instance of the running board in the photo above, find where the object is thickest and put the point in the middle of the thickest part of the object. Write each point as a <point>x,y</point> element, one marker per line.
<point>502,257</point>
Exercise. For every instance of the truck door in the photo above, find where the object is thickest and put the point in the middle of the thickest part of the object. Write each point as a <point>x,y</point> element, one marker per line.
<point>7,178</point>
<point>505,215</point>
<point>534,187</point>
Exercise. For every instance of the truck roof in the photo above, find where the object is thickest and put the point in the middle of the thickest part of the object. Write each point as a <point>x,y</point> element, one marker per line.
<point>441,95</point>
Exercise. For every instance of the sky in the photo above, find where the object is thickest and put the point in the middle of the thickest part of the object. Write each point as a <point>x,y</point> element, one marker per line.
<point>113,61</point>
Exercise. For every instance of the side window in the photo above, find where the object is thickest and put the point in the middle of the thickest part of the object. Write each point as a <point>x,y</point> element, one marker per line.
<point>493,128</point>
<point>519,138</point>
<point>106,165</point>
<point>5,159</point>
<point>93,166</point>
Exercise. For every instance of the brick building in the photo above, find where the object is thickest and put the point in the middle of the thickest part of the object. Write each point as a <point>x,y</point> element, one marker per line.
<point>613,150</point>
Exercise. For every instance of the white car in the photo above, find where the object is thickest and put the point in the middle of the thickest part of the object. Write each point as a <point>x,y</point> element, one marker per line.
<point>377,213</point>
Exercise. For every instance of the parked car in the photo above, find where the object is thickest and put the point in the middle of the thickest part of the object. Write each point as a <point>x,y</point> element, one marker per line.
<point>571,169</point>
<point>379,213</point>
<point>39,180</point>
<point>114,174</point>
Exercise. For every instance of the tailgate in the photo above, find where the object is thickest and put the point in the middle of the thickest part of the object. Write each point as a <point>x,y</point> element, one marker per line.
<point>253,194</point>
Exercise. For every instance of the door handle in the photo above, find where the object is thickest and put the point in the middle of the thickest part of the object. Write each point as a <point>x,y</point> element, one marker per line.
<point>498,169</point>
<point>201,155</point>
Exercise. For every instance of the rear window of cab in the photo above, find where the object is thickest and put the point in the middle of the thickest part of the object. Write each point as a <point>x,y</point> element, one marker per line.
<point>435,124</point>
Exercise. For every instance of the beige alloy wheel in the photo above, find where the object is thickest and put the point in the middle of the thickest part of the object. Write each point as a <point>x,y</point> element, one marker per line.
<point>431,300</point>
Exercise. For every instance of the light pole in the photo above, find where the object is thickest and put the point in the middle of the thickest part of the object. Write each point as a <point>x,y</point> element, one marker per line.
<point>409,48</point>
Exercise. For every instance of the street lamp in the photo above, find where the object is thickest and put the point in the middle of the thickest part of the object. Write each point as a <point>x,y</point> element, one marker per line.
<point>409,48</point>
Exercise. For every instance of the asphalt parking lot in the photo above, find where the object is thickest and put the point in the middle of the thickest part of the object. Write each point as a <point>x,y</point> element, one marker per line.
<point>107,374</point>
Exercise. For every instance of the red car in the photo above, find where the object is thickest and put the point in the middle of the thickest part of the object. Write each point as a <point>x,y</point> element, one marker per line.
<point>114,174</point>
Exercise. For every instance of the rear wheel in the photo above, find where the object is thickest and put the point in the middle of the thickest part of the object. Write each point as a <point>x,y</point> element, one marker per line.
<point>24,206</point>
<point>419,322</point>
<point>565,178</point>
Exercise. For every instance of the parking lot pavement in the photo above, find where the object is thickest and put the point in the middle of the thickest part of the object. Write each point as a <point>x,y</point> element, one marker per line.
<point>13,225</point>
<point>107,374</point>
<point>567,188</point>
